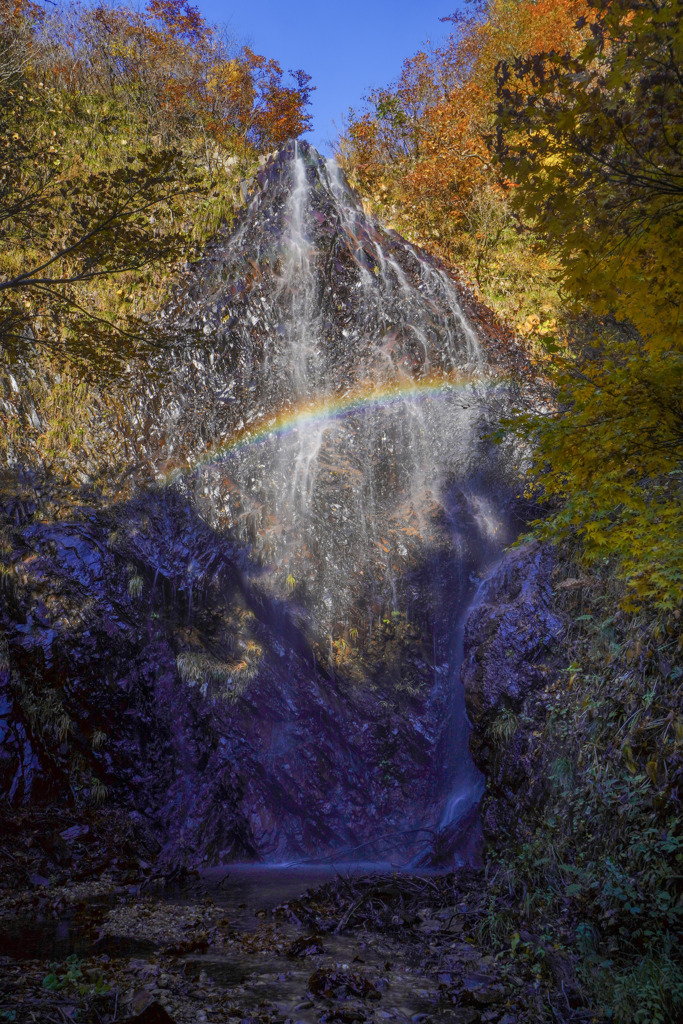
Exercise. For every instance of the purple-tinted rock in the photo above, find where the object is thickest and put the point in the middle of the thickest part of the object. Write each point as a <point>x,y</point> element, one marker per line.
<point>512,647</point>
<point>511,633</point>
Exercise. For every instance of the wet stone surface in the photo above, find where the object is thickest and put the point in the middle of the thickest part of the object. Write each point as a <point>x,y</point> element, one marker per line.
<point>225,949</point>
<point>245,626</point>
<point>234,632</point>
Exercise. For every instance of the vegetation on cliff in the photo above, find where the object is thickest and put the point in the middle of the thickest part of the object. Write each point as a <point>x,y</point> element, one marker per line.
<point>540,148</point>
<point>582,805</point>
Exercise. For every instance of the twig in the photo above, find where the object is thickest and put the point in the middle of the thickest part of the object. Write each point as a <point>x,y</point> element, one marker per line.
<point>349,913</point>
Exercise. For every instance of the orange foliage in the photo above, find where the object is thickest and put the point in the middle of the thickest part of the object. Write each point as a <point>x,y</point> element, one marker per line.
<point>13,13</point>
<point>17,18</point>
<point>420,151</point>
<point>168,62</point>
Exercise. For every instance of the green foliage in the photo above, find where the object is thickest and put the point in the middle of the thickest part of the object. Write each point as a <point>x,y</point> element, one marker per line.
<point>600,863</point>
<point>595,144</point>
<point>43,707</point>
<point>503,727</point>
<point>608,455</point>
<point>69,976</point>
<point>124,135</point>
<point>497,927</point>
<point>72,218</point>
<point>595,141</point>
<point>651,992</point>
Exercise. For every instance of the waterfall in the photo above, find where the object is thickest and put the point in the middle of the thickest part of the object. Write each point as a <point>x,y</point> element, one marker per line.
<point>347,398</point>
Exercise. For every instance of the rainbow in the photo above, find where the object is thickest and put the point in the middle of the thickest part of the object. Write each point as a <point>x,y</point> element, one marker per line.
<point>333,407</point>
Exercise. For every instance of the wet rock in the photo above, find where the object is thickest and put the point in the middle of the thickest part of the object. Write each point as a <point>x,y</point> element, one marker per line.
<point>429,927</point>
<point>512,647</point>
<point>305,945</point>
<point>75,832</point>
<point>24,771</point>
<point>511,633</point>
<point>482,990</point>
<point>258,678</point>
<point>344,1015</point>
<point>140,1001</point>
<point>159,735</point>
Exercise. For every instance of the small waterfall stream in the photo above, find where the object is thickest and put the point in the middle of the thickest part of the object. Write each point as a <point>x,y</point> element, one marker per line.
<point>465,783</point>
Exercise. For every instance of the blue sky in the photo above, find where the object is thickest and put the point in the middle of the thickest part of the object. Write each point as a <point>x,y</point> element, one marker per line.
<point>346,47</point>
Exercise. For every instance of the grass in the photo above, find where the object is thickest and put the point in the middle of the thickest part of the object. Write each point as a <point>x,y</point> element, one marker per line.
<point>226,679</point>
<point>503,727</point>
<point>99,792</point>
<point>43,707</point>
<point>98,739</point>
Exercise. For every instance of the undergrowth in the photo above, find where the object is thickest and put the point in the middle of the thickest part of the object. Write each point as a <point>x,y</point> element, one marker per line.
<point>598,871</point>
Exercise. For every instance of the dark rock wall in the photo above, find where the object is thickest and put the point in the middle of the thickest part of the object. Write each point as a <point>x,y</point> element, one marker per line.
<point>513,646</point>
<point>275,758</point>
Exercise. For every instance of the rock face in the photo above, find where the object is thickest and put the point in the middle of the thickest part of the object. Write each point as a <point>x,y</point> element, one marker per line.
<point>190,698</point>
<point>511,647</point>
<point>246,636</point>
<point>143,666</point>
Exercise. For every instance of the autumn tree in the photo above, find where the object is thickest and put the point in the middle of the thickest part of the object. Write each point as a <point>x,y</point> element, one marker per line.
<point>594,141</point>
<point>419,151</point>
<point>183,75</point>
<point>63,228</point>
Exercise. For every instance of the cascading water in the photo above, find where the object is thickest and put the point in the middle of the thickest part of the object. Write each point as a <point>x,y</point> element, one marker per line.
<point>341,436</point>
